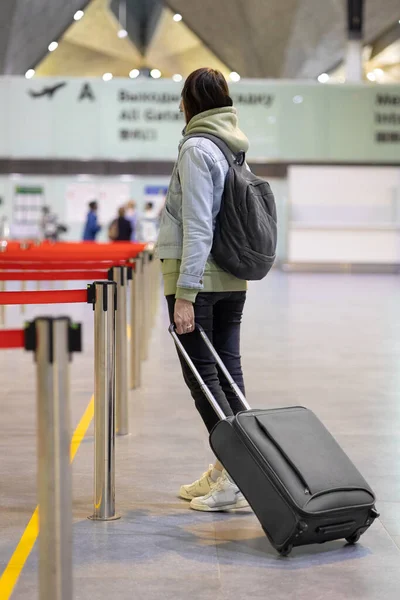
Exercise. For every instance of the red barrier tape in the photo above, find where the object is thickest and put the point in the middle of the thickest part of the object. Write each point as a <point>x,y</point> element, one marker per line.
<point>12,338</point>
<point>45,297</point>
<point>49,246</point>
<point>57,266</point>
<point>53,275</point>
<point>76,252</point>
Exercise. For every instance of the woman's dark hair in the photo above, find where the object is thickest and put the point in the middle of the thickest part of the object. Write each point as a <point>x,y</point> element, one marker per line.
<point>205,89</point>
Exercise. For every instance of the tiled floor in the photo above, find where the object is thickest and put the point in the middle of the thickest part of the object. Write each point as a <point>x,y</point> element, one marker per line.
<point>330,342</point>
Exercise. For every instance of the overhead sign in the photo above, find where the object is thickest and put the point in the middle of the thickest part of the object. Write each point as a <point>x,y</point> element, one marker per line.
<point>122,119</point>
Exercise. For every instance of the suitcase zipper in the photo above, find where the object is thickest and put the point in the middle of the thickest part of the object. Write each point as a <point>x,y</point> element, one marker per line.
<point>284,455</point>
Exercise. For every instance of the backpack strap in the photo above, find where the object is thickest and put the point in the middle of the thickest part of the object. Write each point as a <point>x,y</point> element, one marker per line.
<point>223,146</point>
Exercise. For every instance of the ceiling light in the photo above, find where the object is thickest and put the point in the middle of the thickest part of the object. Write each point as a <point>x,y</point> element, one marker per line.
<point>234,76</point>
<point>371,76</point>
<point>134,73</point>
<point>379,72</point>
<point>177,18</point>
<point>323,78</point>
<point>178,78</point>
<point>53,46</point>
<point>122,33</point>
<point>107,76</point>
<point>298,99</point>
<point>30,73</point>
<point>155,74</point>
<point>78,15</point>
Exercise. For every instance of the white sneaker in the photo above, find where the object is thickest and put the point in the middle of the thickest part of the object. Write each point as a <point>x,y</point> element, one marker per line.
<point>223,495</point>
<point>201,487</point>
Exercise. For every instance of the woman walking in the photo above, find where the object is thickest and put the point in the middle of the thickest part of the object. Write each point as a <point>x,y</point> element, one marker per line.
<point>120,229</point>
<point>196,289</point>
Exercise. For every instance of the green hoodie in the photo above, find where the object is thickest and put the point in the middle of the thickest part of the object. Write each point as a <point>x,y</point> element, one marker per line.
<point>223,123</point>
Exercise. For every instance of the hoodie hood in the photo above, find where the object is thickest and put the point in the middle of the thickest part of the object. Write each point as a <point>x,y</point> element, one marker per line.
<point>223,123</point>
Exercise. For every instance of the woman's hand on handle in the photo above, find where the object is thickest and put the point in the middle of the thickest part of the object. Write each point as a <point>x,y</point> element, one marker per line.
<point>184,316</point>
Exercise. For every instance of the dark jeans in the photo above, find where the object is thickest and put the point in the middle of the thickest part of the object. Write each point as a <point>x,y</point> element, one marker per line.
<point>220,315</point>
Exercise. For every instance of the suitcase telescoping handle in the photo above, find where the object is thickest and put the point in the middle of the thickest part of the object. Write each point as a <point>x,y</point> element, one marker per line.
<point>206,390</point>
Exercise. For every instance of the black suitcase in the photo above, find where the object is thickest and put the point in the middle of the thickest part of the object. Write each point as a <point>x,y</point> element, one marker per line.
<point>301,485</point>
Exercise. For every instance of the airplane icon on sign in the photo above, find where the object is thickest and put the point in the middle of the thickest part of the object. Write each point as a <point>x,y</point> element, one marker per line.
<point>47,91</point>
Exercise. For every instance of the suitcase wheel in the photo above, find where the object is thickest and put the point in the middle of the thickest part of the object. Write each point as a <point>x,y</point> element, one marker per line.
<point>353,539</point>
<point>286,550</point>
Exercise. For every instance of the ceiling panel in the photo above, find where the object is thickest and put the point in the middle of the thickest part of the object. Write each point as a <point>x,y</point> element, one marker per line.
<point>77,61</point>
<point>257,38</point>
<point>175,49</point>
<point>280,38</point>
<point>91,47</point>
<point>34,24</point>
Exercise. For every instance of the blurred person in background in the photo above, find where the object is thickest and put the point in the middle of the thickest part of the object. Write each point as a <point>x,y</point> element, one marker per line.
<point>50,227</point>
<point>149,224</point>
<point>120,229</point>
<point>196,288</point>
<point>131,215</point>
<point>5,230</point>
<point>92,227</point>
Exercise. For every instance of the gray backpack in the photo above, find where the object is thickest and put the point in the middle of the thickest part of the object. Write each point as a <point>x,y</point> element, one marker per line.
<point>245,234</point>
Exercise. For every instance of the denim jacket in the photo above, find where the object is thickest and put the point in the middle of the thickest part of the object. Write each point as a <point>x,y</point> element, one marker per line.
<point>192,205</point>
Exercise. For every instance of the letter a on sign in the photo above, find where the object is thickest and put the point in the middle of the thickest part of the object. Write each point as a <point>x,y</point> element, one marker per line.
<point>87,92</point>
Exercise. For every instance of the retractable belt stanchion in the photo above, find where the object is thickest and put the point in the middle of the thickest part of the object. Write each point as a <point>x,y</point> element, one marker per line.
<point>145,302</point>
<point>120,276</point>
<point>135,323</point>
<point>53,341</point>
<point>103,295</point>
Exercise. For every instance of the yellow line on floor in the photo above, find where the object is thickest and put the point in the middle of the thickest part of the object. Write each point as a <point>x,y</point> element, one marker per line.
<point>29,537</point>
<point>82,428</point>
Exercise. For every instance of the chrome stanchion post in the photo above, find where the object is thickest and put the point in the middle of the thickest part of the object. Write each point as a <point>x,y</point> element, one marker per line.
<point>120,275</point>
<point>135,322</point>
<point>51,340</point>
<point>142,303</point>
<point>145,331</point>
<point>102,295</point>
